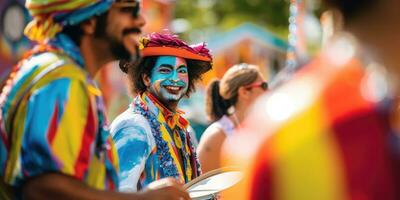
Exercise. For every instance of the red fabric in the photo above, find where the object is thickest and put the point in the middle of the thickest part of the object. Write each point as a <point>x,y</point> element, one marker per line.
<point>88,137</point>
<point>53,126</point>
<point>170,116</point>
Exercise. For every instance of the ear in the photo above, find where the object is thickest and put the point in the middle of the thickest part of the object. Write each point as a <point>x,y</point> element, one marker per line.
<point>243,93</point>
<point>89,26</point>
<point>146,80</point>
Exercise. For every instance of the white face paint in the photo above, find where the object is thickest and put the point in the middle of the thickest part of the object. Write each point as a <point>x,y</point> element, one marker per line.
<point>169,78</point>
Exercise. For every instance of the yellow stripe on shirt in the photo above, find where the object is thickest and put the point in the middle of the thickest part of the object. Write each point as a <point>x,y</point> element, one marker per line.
<point>71,127</point>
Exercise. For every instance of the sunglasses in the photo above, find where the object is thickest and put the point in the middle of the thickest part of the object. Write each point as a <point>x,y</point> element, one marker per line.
<point>132,7</point>
<point>262,84</point>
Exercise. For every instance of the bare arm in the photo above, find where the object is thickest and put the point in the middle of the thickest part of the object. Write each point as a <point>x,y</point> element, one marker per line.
<point>63,187</point>
<point>209,149</point>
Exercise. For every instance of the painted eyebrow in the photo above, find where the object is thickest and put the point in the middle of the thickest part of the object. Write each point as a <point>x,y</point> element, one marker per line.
<point>182,66</point>
<point>166,65</point>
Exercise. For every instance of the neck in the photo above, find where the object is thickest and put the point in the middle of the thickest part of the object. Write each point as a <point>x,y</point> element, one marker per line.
<point>239,114</point>
<point>170,105</point>
<point>93,55</point>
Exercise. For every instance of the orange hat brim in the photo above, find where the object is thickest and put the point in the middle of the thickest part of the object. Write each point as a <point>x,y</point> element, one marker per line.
<point>171,51</point>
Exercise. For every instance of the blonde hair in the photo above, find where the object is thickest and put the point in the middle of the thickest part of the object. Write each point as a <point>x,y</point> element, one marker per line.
<point>222,94</point>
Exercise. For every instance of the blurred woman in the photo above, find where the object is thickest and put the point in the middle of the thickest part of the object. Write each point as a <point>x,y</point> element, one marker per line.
<point>227,101</point>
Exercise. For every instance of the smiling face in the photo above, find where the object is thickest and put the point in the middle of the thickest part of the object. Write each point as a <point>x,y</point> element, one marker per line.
<point>169,79</point>
<point>122,29</point>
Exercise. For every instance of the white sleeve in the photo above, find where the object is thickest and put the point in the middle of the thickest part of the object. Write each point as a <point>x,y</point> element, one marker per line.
<point>134,141</point>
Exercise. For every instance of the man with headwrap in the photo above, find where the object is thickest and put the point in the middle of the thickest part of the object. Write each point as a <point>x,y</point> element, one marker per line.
<point>332,131</point>
<point>55,142</point>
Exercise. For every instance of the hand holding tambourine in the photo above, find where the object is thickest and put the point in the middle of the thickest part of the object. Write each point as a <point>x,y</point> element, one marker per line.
<point>211,183</point>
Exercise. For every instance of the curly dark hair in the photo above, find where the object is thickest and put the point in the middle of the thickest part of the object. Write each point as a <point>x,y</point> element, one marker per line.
<point>145,65</point>
<point>351,8</point>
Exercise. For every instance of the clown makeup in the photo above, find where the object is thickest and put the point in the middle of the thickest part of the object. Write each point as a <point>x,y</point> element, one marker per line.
<point>169,78</point>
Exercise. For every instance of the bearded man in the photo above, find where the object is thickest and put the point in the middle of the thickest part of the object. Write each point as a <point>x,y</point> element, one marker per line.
<point>55,143</point>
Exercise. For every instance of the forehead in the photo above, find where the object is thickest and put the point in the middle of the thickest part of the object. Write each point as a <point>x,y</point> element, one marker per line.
<point>170,60</point>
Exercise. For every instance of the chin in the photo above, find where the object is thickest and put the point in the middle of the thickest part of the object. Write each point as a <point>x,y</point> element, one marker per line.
<point>174,97</point>
<point>120,53</point>
<point>171,97</point>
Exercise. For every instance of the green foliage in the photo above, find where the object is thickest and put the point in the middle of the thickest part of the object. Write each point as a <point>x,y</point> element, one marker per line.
<point>225,14</point>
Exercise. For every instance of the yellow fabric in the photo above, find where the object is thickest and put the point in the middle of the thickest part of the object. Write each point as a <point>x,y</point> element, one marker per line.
<point>73,122</point>
<point>64,71</point>
<point>41,29</point>
<point>318,151</point>
<point>43,26</point>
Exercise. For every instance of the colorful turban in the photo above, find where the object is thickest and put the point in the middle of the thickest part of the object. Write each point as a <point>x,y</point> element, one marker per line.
<point>49,16</point>
<point>166,44</point>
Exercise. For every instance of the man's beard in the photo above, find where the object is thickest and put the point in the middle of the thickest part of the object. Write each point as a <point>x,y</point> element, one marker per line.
<point>120,52</point>
<point>117,48</point>
<point>136,55</point>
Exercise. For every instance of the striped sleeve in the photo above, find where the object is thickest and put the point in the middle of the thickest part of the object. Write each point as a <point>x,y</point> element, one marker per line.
<point>60,129</point>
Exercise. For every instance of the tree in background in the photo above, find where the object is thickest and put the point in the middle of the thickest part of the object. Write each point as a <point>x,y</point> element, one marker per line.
<point>207,17</point>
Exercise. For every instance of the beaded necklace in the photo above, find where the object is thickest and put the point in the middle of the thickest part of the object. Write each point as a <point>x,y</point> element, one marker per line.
<point>167,166</point>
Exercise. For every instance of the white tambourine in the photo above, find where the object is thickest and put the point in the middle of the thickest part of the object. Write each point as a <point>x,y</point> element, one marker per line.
<point>211,183</point>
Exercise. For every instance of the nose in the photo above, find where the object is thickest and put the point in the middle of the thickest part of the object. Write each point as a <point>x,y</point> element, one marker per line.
<point>175,76</point>
<point>140,20</point>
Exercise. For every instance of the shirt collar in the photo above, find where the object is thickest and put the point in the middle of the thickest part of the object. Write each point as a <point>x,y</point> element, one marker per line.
<point>172,118</point>
<point>62,41</point>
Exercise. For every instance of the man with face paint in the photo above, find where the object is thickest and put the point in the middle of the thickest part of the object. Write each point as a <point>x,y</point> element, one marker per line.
<point>54,138</point>
<point>169,80</point>
<point>151,135</point>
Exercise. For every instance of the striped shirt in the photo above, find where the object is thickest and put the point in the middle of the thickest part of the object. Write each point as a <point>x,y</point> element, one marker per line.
<point>326,134</point>
<point>58,126</point>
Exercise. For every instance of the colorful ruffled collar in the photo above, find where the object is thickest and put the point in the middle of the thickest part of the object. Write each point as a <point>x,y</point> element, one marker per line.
<point>173,118</point>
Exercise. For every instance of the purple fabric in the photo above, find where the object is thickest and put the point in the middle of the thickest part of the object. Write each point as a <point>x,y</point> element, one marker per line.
<point>170,40</point>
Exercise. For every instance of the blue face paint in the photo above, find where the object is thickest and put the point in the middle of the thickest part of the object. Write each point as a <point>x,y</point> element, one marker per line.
<point>169,78</point>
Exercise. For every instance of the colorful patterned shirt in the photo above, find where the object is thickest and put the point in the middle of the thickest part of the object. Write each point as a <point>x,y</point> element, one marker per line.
<point>325,134</point>
<point>59,125</point>
<point>148,148</point>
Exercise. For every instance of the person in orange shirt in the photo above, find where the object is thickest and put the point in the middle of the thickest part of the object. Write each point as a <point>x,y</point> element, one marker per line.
<point>331,131</point>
